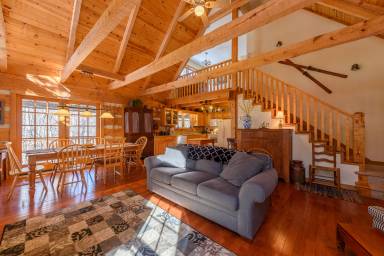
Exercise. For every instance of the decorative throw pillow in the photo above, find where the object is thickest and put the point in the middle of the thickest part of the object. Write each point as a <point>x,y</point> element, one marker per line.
<point>209,166</point>
<point>241,167</point>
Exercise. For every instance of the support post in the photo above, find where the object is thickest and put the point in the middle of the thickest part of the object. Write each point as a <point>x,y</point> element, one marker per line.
<point>359,139</point>
<point>235,58</point>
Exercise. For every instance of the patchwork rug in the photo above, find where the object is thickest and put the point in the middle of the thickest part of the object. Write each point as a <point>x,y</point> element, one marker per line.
<point>120,224</point>
<point>332,192</point>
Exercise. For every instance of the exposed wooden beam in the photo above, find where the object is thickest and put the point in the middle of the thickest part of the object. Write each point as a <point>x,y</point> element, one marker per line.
<point>100,73</point>
<point>348,8</point>
<point>126,36</point>
<point>3,42</point>
<point>167,36</point>
<point>185,61</point>
<point>73,28</point>
<point>217,95</point>
<point>348,34</point>
<point>226,10</point>
<point>255,18</point>
<point>112,16</point>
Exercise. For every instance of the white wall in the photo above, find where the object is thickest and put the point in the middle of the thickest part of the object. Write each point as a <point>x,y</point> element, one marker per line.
<point>362,91</point>
<point>301,148</point>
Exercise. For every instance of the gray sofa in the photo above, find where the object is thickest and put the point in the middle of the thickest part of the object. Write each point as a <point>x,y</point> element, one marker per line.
<point>197,186</point>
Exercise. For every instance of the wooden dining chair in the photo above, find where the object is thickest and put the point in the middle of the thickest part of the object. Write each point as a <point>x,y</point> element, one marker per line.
<point>133,157</point>
<point>112,158</point>
<point>93,155</point>
<point>72,159</point>
<point>52,165</point>
<point>94,141</point>
<point>17,171</point>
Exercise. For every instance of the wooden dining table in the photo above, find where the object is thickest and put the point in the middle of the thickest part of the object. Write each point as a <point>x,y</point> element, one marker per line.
<point>43,155</point>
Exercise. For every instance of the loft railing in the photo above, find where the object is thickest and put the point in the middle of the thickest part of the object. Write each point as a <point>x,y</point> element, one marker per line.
<point>206,69</point>
<point>308,113</point>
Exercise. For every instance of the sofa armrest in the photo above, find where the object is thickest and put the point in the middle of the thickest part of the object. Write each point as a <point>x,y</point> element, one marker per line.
<point>151,162</point>
<point>259,187</point>
<point>254,202</point>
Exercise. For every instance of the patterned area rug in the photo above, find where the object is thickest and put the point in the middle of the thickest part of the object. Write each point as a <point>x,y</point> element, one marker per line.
<point>343,194</point>
<point>120,224</point>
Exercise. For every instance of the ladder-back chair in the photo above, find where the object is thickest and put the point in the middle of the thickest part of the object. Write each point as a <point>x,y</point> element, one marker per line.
<point>52,165</point>
<point>72,159</point>
<point>112,158</point>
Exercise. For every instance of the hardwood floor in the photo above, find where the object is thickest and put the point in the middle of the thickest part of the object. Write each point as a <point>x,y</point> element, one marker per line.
<point>298,223</point>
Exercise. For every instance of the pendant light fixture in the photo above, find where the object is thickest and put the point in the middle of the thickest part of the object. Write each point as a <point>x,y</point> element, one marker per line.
<point>86,113</point>
<point>62,111</point>
<point>106,115</point>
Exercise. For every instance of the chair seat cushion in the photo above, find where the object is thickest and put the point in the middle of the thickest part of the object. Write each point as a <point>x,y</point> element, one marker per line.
<point>220,192</point>
<point>164,174</point>
<point>189,181</point>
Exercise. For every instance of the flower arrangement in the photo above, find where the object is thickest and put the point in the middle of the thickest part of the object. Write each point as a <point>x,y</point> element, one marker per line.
<point>246,106</point>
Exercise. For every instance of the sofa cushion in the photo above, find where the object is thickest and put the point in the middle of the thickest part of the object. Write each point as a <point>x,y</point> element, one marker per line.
<point>189,181</point>
<point>164,174</point>
<point>241,167</point>
<point>219,192</point>
<point>176,157</point>
<point>208,166</point>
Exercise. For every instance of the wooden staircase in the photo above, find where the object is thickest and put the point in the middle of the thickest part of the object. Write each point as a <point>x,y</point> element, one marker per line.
<point>323,122</point>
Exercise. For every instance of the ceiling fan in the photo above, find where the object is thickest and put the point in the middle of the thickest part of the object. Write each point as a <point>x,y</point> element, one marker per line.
<point>199,8</point>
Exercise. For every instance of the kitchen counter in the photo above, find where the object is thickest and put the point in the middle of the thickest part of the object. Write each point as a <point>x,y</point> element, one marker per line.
<point>163,141</point>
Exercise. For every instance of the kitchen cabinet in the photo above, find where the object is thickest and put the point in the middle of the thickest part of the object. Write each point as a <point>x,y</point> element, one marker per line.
<point>139,122</point>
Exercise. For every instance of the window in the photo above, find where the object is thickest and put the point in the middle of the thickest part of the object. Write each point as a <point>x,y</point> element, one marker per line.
<point>81,129</point>
<point>39,125</point>
<point>184,121</point>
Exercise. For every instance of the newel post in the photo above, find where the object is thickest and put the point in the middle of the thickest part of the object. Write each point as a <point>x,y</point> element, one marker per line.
<point>359,139</point>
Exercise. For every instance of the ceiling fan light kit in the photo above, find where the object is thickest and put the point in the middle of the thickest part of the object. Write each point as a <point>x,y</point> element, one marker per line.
<point>199,10</point>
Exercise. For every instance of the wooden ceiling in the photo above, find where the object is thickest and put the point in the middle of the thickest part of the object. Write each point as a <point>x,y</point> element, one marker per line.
<point>37,33</point>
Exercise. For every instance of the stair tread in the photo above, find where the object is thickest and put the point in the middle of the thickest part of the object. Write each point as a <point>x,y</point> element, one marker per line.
<point>379,188</point>
<point>371,174</point>
<point>324,153</point>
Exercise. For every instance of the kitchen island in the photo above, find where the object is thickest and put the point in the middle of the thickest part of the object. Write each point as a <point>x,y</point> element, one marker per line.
<point>162,142</point>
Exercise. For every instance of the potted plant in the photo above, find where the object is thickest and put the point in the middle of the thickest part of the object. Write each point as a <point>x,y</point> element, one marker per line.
<point>246,107</point>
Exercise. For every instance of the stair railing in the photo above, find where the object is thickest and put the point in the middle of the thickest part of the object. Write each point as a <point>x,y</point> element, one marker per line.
<point>309,114</point>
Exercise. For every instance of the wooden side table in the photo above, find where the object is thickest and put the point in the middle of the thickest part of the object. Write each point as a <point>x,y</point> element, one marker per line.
<point>359,240</point>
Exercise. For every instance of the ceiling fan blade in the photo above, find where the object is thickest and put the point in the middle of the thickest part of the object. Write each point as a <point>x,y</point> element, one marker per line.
<point>185,15</point>
<point>204,18</point>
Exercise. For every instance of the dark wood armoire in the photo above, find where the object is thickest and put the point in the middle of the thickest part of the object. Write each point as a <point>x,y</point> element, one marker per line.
<point>139,122</point>
<point>276,141</point>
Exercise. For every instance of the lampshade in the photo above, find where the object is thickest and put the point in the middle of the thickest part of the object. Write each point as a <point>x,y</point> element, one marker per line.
<point>86,113</point>
<point>280,115</point>
<point>199,11</point>
<point>106,115</point>
<point>62,111</point>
